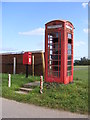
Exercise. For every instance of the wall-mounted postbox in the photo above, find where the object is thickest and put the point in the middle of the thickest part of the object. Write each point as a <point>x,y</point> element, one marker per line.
<point>27,58</point>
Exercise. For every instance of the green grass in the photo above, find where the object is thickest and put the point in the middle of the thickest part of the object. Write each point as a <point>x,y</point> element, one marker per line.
<point>81,66</point>
<point>71,97</point>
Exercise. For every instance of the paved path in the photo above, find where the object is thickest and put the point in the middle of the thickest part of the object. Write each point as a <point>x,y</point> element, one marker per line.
<point>13,109</point>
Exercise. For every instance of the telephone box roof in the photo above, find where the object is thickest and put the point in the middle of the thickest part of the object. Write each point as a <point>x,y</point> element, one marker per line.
<point>59,21</point>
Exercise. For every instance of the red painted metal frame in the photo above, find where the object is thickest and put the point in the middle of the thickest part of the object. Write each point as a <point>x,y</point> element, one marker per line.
<point>64,78</point>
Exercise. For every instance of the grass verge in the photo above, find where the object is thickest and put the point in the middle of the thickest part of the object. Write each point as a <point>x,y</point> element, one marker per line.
<point>71,97</point>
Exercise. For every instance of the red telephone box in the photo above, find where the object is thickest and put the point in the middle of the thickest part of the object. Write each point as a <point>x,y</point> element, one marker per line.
<point>59,51</point>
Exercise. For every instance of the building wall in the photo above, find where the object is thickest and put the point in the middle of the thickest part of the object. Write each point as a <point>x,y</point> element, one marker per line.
<point>7,64</point>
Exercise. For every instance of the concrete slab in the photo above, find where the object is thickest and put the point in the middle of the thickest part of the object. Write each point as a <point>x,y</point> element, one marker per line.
<point>26,89</point>
<point>32,84</point>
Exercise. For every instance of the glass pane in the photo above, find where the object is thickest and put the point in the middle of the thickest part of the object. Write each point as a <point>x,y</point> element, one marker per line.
<point>60,41</point>
<point>50,57</point>
<point>69,73</point>
<point>57,35</point>
<point>69,36</point>
<point>55,74</point>
<point>69,46</point>
<point>69,52</point>
<point>69,62</point>
<point>69,67</point>
<point>55,62</point>
<point>55,68</point>
<point>55,57</point>
<point>51,36</point>
<point>50,42</point>
<point>60,51</point>
<point>50,46</point>
<point>69,57</point>
<point>50,52</point>
<point>54,54</point>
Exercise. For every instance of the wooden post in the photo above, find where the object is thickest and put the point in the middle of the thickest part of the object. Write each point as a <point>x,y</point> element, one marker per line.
<point>33,65</point>
<point>26,70</point>
<point>9,80</point>
<point>41,84</point>
<point>14,65</point>
<point>43,61</point>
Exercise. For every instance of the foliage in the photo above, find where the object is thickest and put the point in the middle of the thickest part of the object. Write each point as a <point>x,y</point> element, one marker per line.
<point>83,61</point>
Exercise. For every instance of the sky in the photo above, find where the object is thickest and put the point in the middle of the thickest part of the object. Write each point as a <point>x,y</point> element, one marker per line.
<point>23,25</point>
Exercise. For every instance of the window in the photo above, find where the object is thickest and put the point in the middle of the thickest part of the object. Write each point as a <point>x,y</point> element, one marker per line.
<point>69,52</point>
<point>69,73</point>
<point>69,46</point>
<point>69,68</point>
<point>69,62</point>
<point>54,54</point>
<point>69,57</point>
<point>69,36</point>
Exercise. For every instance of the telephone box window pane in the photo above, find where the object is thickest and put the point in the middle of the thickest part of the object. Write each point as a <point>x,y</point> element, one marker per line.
<point>48,38</point>
<point>59,57</point>
<point>55,62</point>
<point>50,42</point>
<point>57,35</point>
<point>60,40</point>
<point>55,68</point>
<point>56,46</point>
<point>51,36</point>
<point>54,54</point>
<point>59,51</point>
<point>55,57</point>
<point>54,34</point>
<point>55,73</point>
<point>69,73</point>
<point>69,41</point>
<point>69,46</point>
<point>69,52</point>
<point>50,67</point>
<point>50,62</point>
<point>50,51</point>
<point>69,57</point>
<point>50,57</point>
<point>50,46</point>
<point>69,62</point>
<point>69,36</point>
<point>50,73</point>
<point>69,67</point>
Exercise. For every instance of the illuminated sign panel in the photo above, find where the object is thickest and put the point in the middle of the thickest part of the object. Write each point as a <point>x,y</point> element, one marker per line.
<point>54,26</point>
<point>68,27</point>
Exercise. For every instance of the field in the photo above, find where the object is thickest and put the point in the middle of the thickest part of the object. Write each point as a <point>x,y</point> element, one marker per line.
<point>72,97</point>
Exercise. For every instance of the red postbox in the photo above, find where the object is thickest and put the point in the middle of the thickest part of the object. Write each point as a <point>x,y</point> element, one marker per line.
<point>59,51</point>
<point>27,60</point>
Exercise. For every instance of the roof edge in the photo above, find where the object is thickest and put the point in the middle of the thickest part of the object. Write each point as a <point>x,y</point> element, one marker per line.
<point>59,21</point>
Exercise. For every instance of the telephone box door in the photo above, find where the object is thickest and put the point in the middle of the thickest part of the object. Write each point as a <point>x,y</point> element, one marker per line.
<point>54,56</point>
